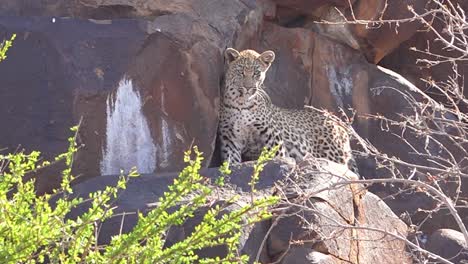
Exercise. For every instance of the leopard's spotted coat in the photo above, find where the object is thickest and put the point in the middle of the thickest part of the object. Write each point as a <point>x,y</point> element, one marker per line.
<point>249,121</point>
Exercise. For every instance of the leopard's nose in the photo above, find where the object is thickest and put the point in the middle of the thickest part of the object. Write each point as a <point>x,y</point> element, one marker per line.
<point>249,88</point>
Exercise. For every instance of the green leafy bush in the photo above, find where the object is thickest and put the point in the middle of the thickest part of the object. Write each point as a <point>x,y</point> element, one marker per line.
<point>31,230</point>
<point>5,45</point>
<point>34,231</point>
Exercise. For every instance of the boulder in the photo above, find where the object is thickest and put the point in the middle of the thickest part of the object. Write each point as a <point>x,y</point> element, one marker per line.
<point>142,193</point>
<point>337,220</point>
<point>303,255</point>
<point>449,244</point>
<point>320,227</point>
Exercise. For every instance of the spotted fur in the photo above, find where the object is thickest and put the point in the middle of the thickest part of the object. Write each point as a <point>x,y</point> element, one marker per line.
<point>249,121</point>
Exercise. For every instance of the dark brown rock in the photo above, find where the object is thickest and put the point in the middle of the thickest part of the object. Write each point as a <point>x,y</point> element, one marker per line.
<point>309,6</point>
<point>448,244</point>
<point>72,8</point>
<point>162,57</point>
<point>321,239</point>
<point>97,9</point>
<point>289,79</point>
<point>36,98</point>
<point>142,192</point>
<point>64,73</point>
<point>376,42</point>
<point>411,65</point>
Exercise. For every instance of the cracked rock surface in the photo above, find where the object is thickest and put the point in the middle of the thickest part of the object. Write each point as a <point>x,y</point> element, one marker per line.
<point>320,218</point>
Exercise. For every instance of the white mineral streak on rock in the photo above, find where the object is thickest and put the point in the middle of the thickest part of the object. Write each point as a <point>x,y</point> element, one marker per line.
<point>128,139</point>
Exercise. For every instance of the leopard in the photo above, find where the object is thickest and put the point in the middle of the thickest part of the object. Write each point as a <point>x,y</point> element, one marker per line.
<point>250,122</point>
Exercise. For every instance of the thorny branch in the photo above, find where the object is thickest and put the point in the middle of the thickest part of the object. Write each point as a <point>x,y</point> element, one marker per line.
<point>436,131</point>
<point>337,182</point>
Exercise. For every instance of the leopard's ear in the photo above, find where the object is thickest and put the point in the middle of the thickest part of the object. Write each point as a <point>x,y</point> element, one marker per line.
<point>231,54</point>
<point>267,57</point>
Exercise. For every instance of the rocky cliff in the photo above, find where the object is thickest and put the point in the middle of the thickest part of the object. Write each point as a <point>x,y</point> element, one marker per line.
<point>70,57</point>
<point>143,78</point>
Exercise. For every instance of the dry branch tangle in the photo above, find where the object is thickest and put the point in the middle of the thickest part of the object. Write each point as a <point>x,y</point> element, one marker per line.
<point>342,222</point>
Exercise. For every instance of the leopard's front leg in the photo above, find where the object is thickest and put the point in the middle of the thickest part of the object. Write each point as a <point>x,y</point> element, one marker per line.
<point>231,150</point>
<point>274,140</point>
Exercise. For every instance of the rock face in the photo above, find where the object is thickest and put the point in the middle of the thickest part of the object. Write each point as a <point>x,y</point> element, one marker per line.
<point>71,58</point>
<point>406,62</point>
<point>448,244</point>
<point>78,72</point>
<point>172,52</point>
<point>376,42</point>
<point>318,220</point>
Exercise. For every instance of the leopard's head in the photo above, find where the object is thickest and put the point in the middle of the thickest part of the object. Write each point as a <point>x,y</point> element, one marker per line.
<point>246,71</point>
